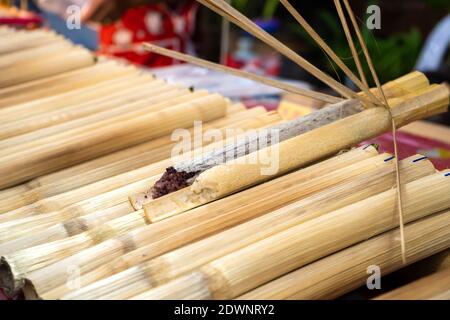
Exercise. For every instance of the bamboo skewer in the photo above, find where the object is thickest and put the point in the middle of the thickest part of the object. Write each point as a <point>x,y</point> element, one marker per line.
<point>227,11</point>
<point>190,257</point>
<point>243,74</point>
<point>433,287</point>
<point>198,223</point>
<point>246,269</point>
<point>347,270</point>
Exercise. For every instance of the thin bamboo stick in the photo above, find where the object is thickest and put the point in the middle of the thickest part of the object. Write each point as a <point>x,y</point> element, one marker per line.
<point>190,257</point>
<point>346,270</point>
<point>243,172</point>
<point>21,41</point>
<point>433,287</point>
<point>73,59</point>
<point>243,74</point>
<point>172,233</point>
<point>132,169</point>
<point>74,146</point>
<point>246,269</point>
<point>227,11</point>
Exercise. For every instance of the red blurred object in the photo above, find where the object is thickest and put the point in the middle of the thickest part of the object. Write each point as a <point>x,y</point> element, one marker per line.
<point>155,23</point>
<point>410,144</point>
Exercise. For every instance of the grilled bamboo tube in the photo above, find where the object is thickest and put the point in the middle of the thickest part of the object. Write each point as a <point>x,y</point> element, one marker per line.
<point>188,258</point>
<point>199,223</point>
<point>246,269</point>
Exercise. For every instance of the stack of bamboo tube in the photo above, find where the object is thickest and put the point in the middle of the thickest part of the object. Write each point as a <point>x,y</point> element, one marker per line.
<point>76,144</point>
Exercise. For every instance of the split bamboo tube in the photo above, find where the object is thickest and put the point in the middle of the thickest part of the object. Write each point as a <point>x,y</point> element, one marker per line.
<point>243,172</point>
<point>177,231</point>
<point>339,273</point>
<point>19,229</point>
<point>246,269</point>
<point>157,90</point>
<point>71,60</point>
<point>130,172</point>
<point>75,146</point>
<point>62,83</point>
<point>334,275</point>
<point>176,263</point>
<point>433,287</point>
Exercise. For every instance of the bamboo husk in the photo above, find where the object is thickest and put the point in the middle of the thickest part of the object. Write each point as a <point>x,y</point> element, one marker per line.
<point>71,60</point>
<point>92,141</point>
<point>433,287</point>
<point>336,274</point>
<point>243,172</point>
<point>159,92</point>
<point>246,269</point>
<point>177,231</point>
<point>62,200</point>
<point>62,83</point>
<point>190,257</point>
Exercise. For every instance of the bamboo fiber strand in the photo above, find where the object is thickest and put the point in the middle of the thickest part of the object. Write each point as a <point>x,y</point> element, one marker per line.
<point>246,269</point>
<point>190,257</point>
<point>239,73</point>
<point>171,233</point>
<point>227,11</point>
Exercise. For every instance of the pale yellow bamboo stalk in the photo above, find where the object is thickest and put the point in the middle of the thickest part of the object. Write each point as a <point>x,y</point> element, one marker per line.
<point>21,41</point>
<point>74,147</point>
<point>336,274</point>
<point>178,262</point>
<point>72,60</point>
<point>63,192</point>
<point>172,233</point>
<point>434,287</point>
<point>61,83</point>
<point>246,269</point>
<point>222,179</point>
<point>22,132</point>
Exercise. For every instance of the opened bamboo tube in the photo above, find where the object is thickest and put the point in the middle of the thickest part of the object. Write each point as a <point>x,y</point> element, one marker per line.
<point>334,275</point>
<point>172,233</point>
<point>92,141</point>
<point>130,173</point>
<point>433,287</point>
<point>344,271</point>
<point>246,269</point>
<point>176,263</point>
<point>243,172</point>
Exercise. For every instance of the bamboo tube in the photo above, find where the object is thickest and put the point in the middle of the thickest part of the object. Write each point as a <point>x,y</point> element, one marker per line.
<point>21,41</point>
<point>433,287</point>
<point>40,106</point>
<point>243,172</point>
<point>23,132</point>
<point>93,141</point>
<point>336,274</point>
<point>346,270</point>
<point>190,257</point>
<point>73,59</point>
<point>203,221</point>
<point>246,269</point>
<point>61,83</point>
<point>18,228</point>
<point>138,164</point>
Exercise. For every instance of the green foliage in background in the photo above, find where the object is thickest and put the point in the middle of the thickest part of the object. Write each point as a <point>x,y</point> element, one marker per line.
<point>253,8</point>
